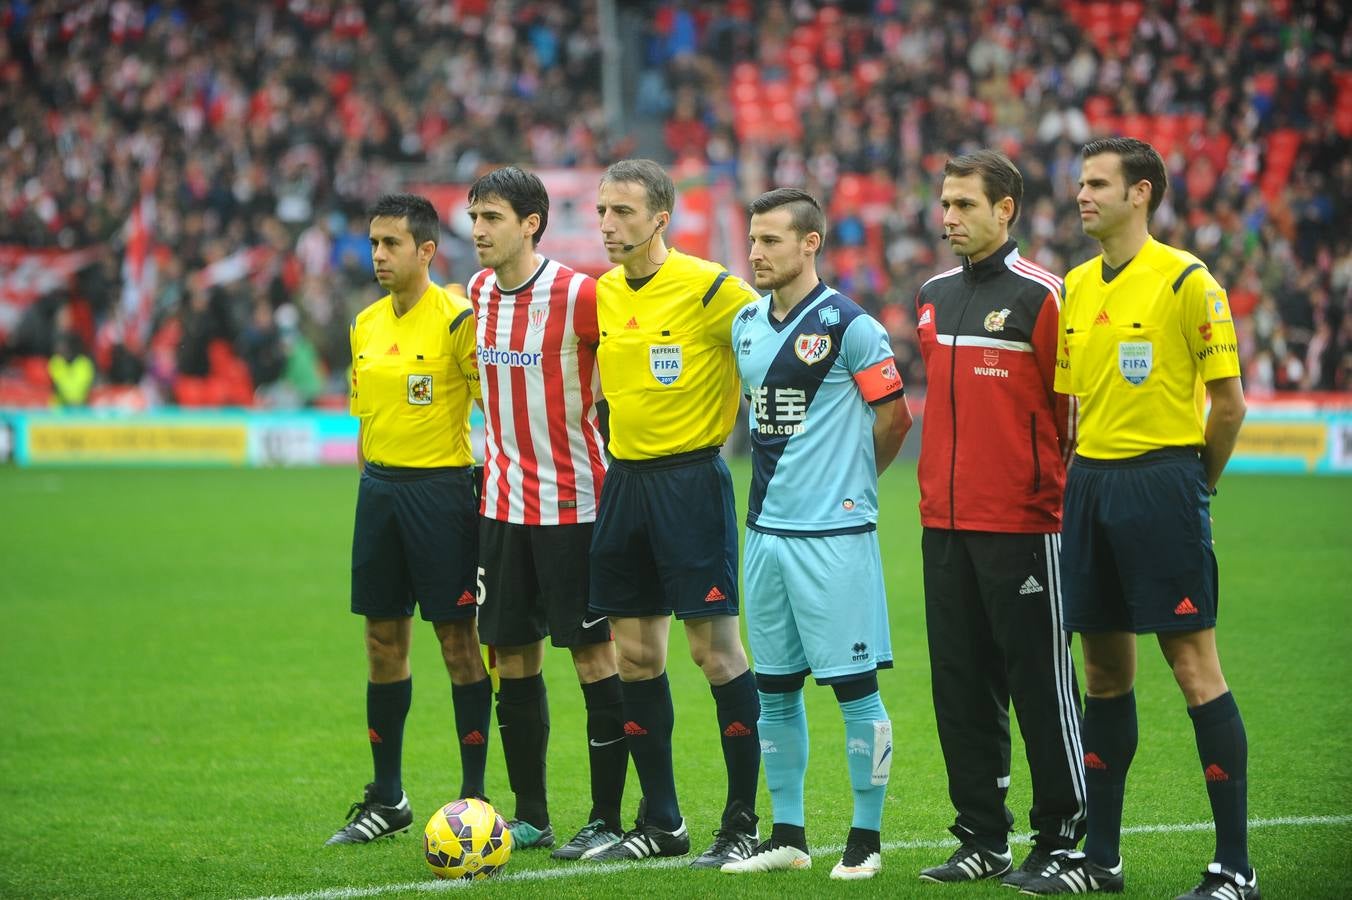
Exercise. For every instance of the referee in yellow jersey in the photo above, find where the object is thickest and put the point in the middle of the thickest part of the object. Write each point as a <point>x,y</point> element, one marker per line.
<point>1146,335</point>
<point>665,539</point>
<point>415,540</point>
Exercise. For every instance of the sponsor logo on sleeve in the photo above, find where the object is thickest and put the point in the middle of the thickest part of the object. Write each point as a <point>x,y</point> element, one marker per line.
<point>1217,308</point>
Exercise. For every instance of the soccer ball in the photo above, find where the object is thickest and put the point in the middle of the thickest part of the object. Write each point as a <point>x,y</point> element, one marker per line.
<point>466,839</point>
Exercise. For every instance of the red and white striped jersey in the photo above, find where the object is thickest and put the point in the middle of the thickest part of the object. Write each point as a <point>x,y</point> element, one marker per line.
<point>543,460</point>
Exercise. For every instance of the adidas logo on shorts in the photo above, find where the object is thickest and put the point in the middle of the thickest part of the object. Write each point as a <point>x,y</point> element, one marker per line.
<point>1030,586</point>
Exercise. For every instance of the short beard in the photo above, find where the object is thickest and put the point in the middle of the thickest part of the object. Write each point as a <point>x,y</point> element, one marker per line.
<point>782,280</point>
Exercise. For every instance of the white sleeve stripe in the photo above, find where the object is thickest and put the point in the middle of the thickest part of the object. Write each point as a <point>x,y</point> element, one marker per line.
<point>964,340</point>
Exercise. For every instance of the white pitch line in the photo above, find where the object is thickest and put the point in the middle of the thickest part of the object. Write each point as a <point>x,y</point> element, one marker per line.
<point>601,869</point>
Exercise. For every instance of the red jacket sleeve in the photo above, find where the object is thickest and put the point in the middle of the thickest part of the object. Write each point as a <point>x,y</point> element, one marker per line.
<point>1045,336</point>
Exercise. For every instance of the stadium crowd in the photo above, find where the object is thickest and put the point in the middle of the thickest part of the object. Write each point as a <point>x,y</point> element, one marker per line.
<point>216,165</point>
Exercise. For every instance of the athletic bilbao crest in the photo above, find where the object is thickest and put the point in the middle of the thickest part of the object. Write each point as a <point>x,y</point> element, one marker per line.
<point>420,390</point>
<point>1134,359</point>
<point>665,362</point>
<point>812,348</point>
<point>539,314</point>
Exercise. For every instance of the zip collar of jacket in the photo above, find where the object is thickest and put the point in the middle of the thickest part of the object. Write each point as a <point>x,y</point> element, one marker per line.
<point>990,266</point>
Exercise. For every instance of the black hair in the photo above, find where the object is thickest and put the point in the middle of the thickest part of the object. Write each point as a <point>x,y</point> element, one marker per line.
<point>1140,162</point>
<point>658,187</point>
<point>421,215</point>
<point>523,191</point>
<point>805,212</point>
<point>1000,178</point>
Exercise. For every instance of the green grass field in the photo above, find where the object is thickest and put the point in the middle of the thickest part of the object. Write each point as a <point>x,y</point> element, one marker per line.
<point>183,713</point>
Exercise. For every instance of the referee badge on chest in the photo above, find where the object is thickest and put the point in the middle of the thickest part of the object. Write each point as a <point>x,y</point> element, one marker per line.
<point>1134,359</point>
<point>420,390</point>
<point>664,361</point>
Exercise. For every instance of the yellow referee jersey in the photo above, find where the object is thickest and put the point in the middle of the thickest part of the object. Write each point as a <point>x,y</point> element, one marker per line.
<point>666,356</point>
<point>413,379</point>
<point>1136,351</point>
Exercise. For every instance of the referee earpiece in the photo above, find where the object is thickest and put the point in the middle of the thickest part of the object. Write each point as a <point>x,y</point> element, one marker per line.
<point>629,247</point>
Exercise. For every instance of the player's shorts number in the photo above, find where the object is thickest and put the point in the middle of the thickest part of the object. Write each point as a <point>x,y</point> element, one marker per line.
<point>480,590</point>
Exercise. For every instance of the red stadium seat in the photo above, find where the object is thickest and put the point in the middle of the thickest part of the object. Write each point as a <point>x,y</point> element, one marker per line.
<point>786,121</point>
<point>1097,108</point>
<point>1135,125</point>
<point>35,371</point>
<point>746,72</point>
<point>1342,119</point>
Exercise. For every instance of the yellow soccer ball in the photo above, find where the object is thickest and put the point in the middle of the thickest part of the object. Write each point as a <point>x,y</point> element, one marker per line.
<point>466,839</point>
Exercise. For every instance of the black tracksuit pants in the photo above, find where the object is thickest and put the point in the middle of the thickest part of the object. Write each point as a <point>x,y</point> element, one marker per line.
<point>993,618</point>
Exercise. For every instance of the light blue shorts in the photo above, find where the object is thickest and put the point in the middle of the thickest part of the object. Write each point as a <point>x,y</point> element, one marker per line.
<point>816,603</point>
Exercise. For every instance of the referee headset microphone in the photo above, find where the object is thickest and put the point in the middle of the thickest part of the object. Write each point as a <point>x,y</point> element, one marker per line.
<point>629,247</point>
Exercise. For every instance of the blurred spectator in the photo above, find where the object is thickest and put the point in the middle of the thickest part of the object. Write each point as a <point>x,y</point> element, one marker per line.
<point>71,370</point>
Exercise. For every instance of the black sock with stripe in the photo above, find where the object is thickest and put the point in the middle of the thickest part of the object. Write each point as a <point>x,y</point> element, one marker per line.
<point>738,711</point>
<point>1109,737</point>
<point>386,709</point>
<point>1223,747</point>
<point>648,721</point>
<point>473,711</point>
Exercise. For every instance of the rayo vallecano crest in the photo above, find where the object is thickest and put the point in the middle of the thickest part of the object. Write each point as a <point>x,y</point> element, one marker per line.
<point>812,348</point>
<point>1134,359</point>
<point>995,321</point>
<point>664,361</point>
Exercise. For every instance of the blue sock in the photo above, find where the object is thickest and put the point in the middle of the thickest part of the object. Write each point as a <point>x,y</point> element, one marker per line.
<point>1224,749</point>
<point>648,721</point>
<point>1109,737</point>
<point>386,709</point>
<point>784,749</point>
<point>868,750</point>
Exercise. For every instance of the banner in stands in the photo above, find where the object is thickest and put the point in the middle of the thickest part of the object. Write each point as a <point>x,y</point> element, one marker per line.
<point>27,274</point>
<point>1308,434</point>
<point>224,438</point>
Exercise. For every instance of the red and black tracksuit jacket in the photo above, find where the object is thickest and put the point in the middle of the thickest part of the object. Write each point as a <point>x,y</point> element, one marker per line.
<point>991,476</point>
<point>995,433</point>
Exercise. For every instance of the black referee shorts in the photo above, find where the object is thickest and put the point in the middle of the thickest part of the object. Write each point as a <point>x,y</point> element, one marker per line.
<point>666,538</point>
<point>415,542</point>
<point>1136,544</point>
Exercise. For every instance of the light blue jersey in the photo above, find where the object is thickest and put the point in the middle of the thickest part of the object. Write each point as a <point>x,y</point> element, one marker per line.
<point>810,380</point>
